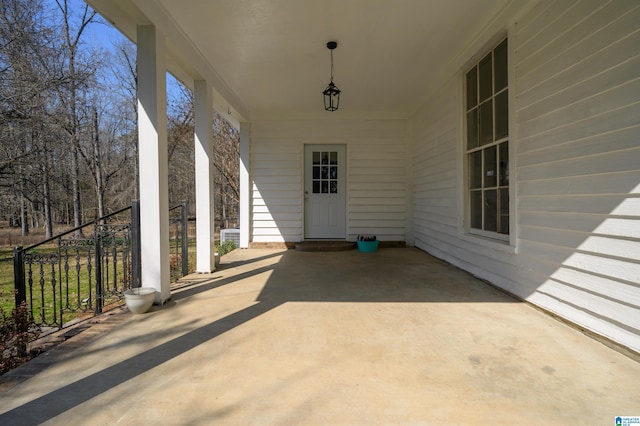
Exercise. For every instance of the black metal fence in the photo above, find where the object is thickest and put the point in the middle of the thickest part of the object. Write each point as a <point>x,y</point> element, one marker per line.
<point>82,271</point>
<point>179,240</point>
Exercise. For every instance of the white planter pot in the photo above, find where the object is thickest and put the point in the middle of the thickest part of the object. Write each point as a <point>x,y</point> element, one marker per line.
<point>139,300</point>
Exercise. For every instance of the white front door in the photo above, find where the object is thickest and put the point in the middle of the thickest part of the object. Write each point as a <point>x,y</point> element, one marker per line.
<point>324,191</point>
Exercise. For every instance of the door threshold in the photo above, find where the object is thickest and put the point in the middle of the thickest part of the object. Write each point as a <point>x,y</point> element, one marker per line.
<point>325,245</point>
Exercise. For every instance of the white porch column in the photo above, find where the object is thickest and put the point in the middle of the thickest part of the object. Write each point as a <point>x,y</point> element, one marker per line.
<point>152,139</point>
<point>245,186</point>
<point>205,240</point>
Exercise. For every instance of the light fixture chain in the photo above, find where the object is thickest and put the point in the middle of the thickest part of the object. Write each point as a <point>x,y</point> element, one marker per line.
<point>332,70</point>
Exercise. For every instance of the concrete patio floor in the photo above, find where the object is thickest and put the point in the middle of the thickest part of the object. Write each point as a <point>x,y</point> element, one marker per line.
<point>288,337</point>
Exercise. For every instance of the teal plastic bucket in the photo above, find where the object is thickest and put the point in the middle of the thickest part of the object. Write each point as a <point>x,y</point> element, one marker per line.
<point>368,246</point>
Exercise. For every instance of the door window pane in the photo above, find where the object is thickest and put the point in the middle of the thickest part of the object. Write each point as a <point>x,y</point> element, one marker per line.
<point>324,172</point>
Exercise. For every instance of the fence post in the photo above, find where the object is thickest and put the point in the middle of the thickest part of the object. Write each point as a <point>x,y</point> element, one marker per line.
<point>136,266</point>
<point>21,296</point>
<point>18,275</point>
<point>61,298</point>
<point>185,239</point>
<point>97,238</point>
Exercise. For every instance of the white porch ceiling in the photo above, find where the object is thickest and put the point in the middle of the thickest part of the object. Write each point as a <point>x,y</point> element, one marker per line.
<point>268,58</point>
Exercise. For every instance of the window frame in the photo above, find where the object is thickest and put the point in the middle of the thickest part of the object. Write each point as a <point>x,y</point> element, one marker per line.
<point>467,230</point>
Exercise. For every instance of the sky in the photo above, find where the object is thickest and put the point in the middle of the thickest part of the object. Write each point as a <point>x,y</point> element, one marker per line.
<point>102,34</point>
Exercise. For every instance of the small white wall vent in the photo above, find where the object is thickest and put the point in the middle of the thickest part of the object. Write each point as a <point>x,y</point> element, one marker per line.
<point>230,235</point>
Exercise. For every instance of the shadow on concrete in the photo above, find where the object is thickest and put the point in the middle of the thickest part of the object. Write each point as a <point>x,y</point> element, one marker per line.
<point>389,275</point>
<point>394,275</point>
<point>65,398</point>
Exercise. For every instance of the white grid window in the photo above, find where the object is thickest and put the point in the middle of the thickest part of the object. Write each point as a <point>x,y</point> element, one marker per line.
<point>487,143</point>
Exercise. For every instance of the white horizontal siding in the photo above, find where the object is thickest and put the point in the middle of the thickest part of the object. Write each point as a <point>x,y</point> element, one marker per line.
<point>276,200</point>
<point>377,185</point>
<point>579,166</point>
<point>434,165</point>
<point>376,176</point>
<point>576,138</point>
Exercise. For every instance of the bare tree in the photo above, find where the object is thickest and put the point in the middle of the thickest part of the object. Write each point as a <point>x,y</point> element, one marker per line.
<point>26,54</point>
<point>68,128</point>
<point>124,70</point>
<point>77,77</point>
<point>226,154</point>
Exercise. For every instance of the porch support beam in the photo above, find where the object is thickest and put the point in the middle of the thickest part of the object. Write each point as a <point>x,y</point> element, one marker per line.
<point>205,229</point>
<point>154,193</point>
<point>245,185</point>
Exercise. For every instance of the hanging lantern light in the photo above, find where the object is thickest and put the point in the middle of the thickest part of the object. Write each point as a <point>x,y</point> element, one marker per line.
<point>331,93</point>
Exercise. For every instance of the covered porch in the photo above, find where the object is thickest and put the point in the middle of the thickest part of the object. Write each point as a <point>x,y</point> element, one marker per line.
<point>290,337</point>
<point>500,136</point>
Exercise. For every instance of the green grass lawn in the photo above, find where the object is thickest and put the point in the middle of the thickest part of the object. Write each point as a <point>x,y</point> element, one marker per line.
<point>7,300</point>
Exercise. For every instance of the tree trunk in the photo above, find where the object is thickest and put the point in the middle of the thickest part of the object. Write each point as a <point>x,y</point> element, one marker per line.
<point>97,162</point>
<point>75,174</point>
<point>23,203</point>
<point>75,188</point>
<point>48,222</point>
<point>72,46</point>
<point>24,219</point>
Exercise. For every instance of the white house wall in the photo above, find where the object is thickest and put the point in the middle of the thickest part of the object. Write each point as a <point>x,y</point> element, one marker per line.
<point>377,167</point>
<point>576,138</point>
